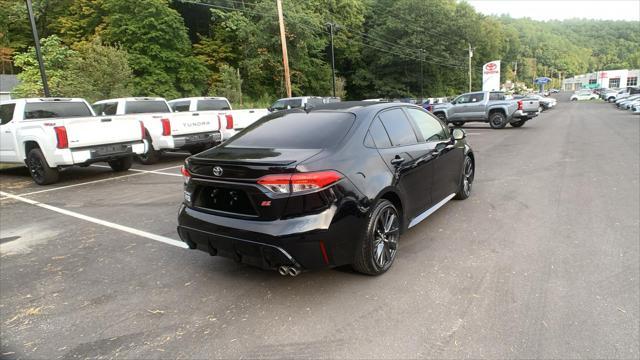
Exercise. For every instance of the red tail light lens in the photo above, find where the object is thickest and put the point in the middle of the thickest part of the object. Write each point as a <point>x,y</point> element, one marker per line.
<point>61,136</point>
<point>142,130</point>
<point>520,105</point>
<point>293,183</point>
<point>229,118</point>
<point>186,175</point>
<point>166,127</point>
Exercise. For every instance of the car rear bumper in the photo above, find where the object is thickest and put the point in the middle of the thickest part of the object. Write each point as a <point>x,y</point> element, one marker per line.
<point>519,114</point>
<point>91,154</point>
<point>309,242</point>
<point>208,138</point>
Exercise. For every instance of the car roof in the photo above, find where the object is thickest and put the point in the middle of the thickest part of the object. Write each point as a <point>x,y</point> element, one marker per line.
<point>141,98</point>
<point>200,98</point>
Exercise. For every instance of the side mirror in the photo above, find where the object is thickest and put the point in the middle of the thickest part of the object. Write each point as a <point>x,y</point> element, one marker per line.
<point>459,134</point>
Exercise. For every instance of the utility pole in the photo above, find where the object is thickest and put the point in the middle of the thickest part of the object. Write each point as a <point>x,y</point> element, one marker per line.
<point>285,57</point>
<point>333,61</point>
<point>470,56</point>
<point>515,72</point>
<point>421,75</point>
<point>34,30</point>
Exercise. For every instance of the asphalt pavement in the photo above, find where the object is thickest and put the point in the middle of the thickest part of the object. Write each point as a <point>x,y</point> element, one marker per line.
<point>542,261</point>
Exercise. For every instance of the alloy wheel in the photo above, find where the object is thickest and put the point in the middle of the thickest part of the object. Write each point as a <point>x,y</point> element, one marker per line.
<point>36,168</point>
<point>386,234</point>
<point>467,181</point>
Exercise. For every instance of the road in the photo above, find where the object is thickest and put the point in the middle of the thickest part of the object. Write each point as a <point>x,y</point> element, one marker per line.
<point>541,262</point>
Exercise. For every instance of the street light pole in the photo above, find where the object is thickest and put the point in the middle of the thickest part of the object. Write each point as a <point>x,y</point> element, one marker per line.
<point>470,56</point>
<point>333,61</point>
<point>36,40</point>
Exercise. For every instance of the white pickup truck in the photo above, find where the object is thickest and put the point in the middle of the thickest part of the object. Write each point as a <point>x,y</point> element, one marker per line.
<point>231,121</point>
<point>165,130</point>
<point>49,134</point>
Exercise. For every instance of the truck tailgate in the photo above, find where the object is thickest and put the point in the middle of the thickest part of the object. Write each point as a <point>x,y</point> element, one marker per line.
<point>92,131</point>
<point>530,105</point>
<point>183,123</point>
<point>244,118</point>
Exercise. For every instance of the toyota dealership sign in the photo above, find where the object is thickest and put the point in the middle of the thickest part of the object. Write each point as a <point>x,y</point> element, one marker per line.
<point>491,76</point>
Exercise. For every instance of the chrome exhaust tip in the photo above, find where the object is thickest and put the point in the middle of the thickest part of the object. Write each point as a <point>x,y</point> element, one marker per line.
<point>293,271</point>
<point>283,270</point>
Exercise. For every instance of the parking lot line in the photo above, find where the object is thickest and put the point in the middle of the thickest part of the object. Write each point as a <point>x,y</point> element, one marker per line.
<point>160,238</point>
<point>148,171</point>
<point>137,172</point>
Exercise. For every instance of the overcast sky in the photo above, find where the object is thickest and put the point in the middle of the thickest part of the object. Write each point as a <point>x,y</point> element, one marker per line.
<point>561,9</point>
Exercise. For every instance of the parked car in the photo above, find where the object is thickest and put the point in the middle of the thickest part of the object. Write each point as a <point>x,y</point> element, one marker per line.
<point>583,95</point>
<point>625,102</point>
<point>610,94</point>
<point>546,103</point>
<point>296,102</point>
<point>554,91</point>
<point>337,184</point>
<point>165,130</point>
<point>231,121</point>
<point>486,106</point>
<point>51,134</point>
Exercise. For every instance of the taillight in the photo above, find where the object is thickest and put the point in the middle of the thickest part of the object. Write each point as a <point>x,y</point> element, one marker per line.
<point>229,118</point>
<point>142,130</point>
<point>166,127</point>
<point>520,105</point>
<point>186,175</point>
<point>293,183</point>
<point>61,136</point>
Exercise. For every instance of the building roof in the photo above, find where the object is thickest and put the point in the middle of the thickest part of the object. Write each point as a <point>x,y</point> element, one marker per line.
<point>8,82</point>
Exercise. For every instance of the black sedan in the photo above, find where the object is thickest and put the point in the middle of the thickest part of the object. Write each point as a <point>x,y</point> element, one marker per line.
<point>333,185</point>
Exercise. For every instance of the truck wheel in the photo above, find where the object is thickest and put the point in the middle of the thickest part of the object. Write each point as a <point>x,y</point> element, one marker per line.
<point>518,123</point>
<point>40,171</point>
<point>379,242</point>
<point>540,108</point>
<point>497,120</point>
<point>152,155</point>
<point>458,123</point>
<point>122,164</point>
<point>441,117</point>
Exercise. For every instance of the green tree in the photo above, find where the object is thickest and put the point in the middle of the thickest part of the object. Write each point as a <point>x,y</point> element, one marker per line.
<point>229,85</point>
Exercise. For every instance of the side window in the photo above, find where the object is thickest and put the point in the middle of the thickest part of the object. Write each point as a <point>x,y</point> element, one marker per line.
<point>398,127</point>
<point>474,98</point>
<point>6,113</point>
<point>430,127</point>
<point>97,108</point>
<point>180,106</point>
<point>109,108</point>
<point>462,99</point>
<point>496,96</point>
<point>315,101</point>
<point>379,135</point>
<point>294,103</point>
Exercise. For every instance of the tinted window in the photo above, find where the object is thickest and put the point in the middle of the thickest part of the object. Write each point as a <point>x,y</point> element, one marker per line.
<point>496,96</point>
<point>145,106</point>
<point>180,106</point>
<point>6,113</point>
<point>430,128</point>
<point>398,127</point>
<point>315,130</point>
<point>379,135</point>
<point>315,101</point>
<point>206,105</point>
<point>476,97</point>
<point>462,99</point>
<point>42,110</point>
<point>107,109</point>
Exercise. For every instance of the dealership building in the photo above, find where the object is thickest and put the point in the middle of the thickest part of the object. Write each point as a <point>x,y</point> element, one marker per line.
<point>602,79</point>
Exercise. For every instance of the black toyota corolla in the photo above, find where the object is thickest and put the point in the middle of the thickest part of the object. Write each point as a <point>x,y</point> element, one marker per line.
<point>323,187</point>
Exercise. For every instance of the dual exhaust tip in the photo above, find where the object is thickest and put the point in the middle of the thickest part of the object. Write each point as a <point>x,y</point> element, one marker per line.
<point>289,270</point>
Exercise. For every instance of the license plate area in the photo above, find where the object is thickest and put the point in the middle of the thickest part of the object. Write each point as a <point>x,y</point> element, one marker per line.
<point>224,199</point>
<point>106,150</point>
<point>199,138</point>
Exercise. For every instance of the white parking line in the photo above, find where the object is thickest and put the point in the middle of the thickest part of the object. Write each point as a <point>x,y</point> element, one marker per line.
<point>137,172</point>
<point>160,238</point>
<point>147,171</point>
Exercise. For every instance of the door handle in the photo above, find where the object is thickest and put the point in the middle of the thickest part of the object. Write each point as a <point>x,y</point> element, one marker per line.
<point>397,160</point>
<point>195,114</point>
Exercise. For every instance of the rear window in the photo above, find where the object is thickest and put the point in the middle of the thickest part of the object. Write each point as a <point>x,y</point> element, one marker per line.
<point>45,110</point>
<point>180,106</point>
<point>146,106</point>
<point>6,113</point>
<point>207,105</point>
<point>315,130</point>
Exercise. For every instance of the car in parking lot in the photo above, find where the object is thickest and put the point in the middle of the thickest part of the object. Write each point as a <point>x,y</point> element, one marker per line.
<point>583,95</point>
<point>325,187</point>
<point>51,134</point>
<point>165,130</point>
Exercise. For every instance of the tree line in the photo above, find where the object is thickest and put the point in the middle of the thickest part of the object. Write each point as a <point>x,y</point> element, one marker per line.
<point>383,48</point>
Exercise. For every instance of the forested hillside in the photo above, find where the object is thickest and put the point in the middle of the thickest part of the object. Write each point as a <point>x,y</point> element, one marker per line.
<point>231,47</point>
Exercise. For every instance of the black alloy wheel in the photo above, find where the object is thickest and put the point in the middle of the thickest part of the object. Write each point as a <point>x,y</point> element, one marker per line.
<point>468,172</point>
<point>40,171</point>
<point>497,120</point>
<point>379,245</point>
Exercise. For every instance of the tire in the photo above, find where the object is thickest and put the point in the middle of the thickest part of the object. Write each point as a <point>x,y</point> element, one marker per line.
<point>497,120</point>
<point>540,108</point>
<point>574,99</point>
<point>466,180</point>
<point>376,252</point>
<point>152,155</point>
<point>441,117</point>
<point>518,124</point>
<point>458,123</point>
<point>40,171</point>
<point>122,164</point>
<point>611,99</point>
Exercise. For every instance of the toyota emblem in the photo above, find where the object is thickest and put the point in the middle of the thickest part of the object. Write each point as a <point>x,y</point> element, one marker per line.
<point>217,171</point>
<point>491,66</point>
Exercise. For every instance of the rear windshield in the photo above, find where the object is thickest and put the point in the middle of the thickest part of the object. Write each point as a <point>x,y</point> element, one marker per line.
<point>46,110</point>
<point>206,105</point>
<point>146,106</point>
<point>315,130</point>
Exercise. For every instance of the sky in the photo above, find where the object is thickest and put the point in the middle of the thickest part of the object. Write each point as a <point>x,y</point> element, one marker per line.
<point>561,9</point>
